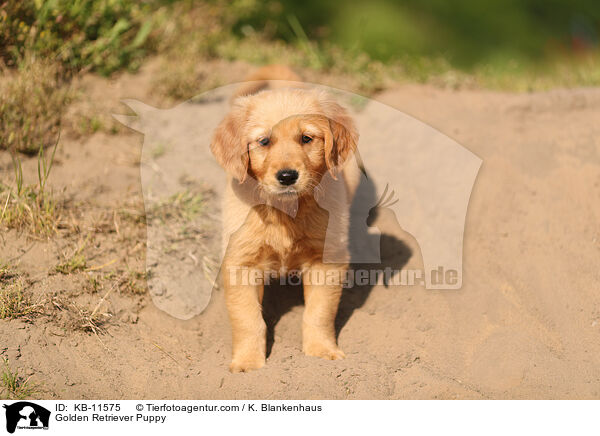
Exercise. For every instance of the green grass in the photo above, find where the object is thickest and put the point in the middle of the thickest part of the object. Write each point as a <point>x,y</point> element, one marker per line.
<point>94,284</point>
<point>89,124</point>
<point>73,263</point>
<point>467,33</point>
<point>159,150</point>
<point>182,206</point>
<point>14,386</point>
<point>361,72</point>
<point>30,207</point>
<point>559,72</point>
<point>134,282</point>
<point>32,100</point>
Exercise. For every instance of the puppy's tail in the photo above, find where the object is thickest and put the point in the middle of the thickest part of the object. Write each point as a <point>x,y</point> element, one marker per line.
<point>269,77</point>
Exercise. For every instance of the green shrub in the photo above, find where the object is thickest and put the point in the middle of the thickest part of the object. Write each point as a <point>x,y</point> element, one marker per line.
<point>104,35</point>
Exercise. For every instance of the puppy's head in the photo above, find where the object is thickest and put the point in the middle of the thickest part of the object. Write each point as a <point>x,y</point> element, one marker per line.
<point>285,139</point>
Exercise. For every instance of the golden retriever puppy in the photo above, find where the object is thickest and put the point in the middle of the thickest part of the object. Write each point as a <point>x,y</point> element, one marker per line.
<point>271,77</point>
<point>285,152</point>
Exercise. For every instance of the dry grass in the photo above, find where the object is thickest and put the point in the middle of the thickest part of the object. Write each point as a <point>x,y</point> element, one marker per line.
<point>14,301</point>
<point>88,113</point>
<point>179,78</point>
<point>6,273</point>
<point>73,317</point>
<point>133,283</point>
<point>129,282</point>
<point>14,304</point>
<point>32,100</point>
<point>89,321</point>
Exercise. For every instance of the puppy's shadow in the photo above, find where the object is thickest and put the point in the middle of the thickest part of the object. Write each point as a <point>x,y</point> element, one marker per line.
<point>387,250</point>
<point>393,253</point>
<point>277,301</point>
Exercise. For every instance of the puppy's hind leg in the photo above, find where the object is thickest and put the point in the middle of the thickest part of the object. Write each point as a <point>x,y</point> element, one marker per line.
<point>248,328</point>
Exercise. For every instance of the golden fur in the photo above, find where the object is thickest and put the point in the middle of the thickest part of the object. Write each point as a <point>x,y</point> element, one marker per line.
<point>271,227</point>
<point>269,76</point>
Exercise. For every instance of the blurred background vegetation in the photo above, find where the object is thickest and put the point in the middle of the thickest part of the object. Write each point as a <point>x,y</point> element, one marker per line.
<point>465,32</point>
<point>191,46</point>
<point>497,41</point>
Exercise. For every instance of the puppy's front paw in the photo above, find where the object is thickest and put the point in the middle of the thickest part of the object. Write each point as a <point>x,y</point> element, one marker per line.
<point>326,350</point>
<point>247,362</point>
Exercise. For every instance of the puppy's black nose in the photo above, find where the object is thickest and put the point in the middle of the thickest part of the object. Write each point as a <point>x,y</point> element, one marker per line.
<point>287,177</point>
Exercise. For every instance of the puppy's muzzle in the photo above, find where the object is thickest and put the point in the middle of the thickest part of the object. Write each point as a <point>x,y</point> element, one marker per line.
<point>287,176</point>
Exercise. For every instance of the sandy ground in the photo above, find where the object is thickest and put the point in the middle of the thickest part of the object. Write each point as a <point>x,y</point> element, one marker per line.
<point>526,323</point>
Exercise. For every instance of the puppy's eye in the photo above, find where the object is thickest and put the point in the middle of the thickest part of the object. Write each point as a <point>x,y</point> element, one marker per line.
<point>306,139</point>
<point>263,141</point>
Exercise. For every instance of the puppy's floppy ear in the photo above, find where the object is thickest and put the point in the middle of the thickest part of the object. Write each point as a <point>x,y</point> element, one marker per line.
<point>228,144</point>
<point>341,140</point>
